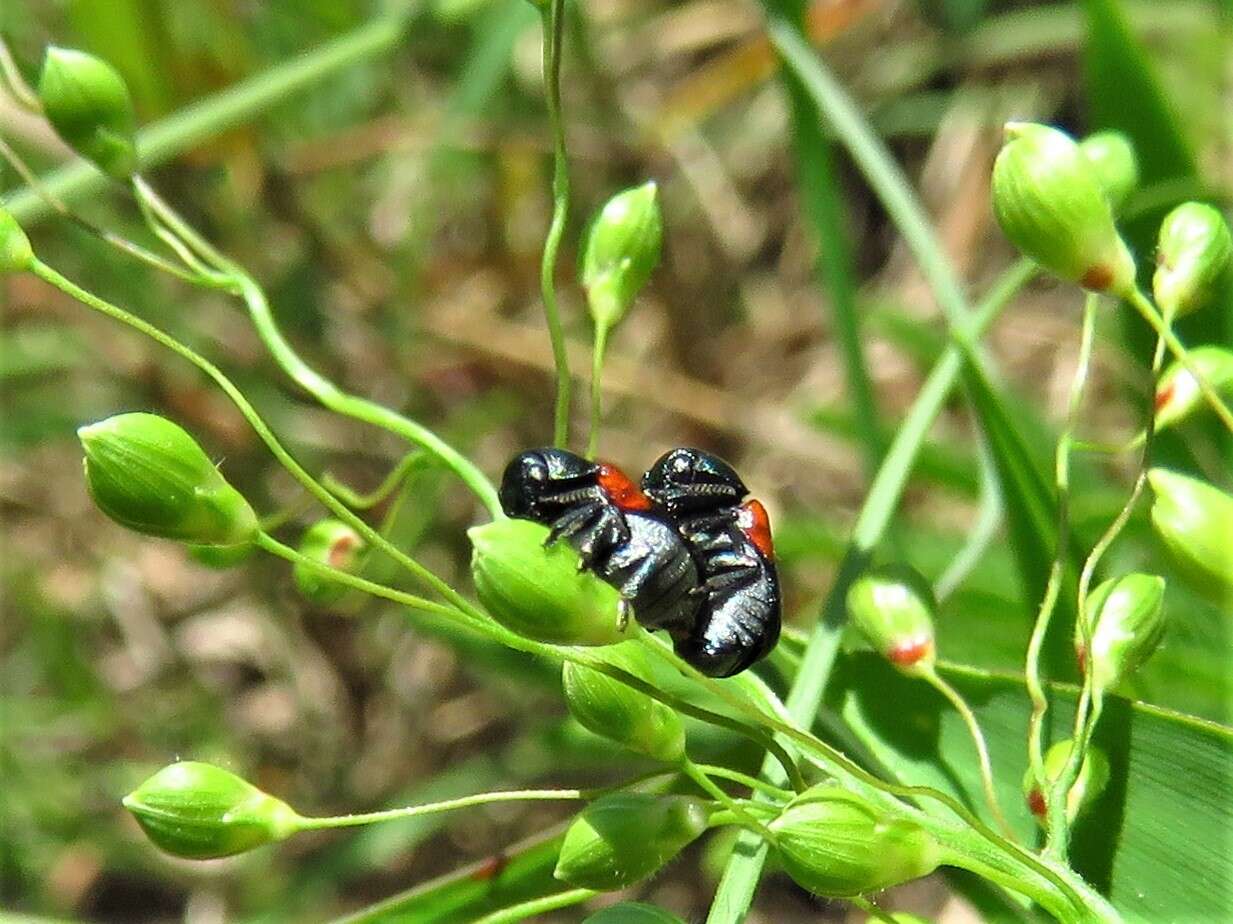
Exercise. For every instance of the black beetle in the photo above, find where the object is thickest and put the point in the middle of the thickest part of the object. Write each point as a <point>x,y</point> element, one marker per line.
<point>739,621</point>
<point>614,527</point>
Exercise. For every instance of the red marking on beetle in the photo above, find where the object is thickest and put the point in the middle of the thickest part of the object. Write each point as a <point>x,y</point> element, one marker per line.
<point>340,550</point>
<point>1036,802</point>
<point>620,489</point>
<point>908,653</point>
<point>490,868</point>
<point>1165,395</point>
<point>754,523</point>
<point>1098,278</point>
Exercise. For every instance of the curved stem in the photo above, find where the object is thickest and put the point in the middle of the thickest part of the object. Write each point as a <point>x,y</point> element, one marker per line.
<point>553,18</point>
<point>433,808</point>
<point>978,738</point>
<point>537,906</point>
<point>321,388</point>
<point>10,73</point>
<point>358,501</point>
<point>745,779</point>
<point>597,389</point>
<point>1035,686</point>
<point>707,785</point>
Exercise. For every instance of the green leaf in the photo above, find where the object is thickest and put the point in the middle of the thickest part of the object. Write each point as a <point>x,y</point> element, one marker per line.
<point>1156,843</point>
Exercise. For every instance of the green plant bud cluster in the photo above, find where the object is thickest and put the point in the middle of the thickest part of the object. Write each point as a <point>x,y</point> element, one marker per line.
<point>332,543</point>
<point>836,844</point>
<point>15,252</point>
<point>202,812</point>
<point>620,713</point>
<point>539,591</point>
<point>1089,784</point>
<point>1127,614</point>
<point>1178,395</point>
<point>1051,205</point>
<point>893,607</point>
<point>149,475</point>
<point>87,102</point>
<point>1114,164</point>
<point>622,250</point>
<point>1193,252</point>
<point>633,913</point>
<point>623,838</point>
<point>1195,524</point>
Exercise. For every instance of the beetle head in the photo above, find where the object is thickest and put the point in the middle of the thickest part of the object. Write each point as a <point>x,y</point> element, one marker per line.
<point>531,478</point>
<point>689,480</point>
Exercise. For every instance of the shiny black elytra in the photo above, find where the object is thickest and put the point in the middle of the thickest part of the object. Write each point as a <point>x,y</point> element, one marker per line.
<point>739,621</point>
<point>613,527</point>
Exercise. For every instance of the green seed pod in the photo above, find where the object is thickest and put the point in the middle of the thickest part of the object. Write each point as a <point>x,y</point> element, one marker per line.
<point>633,913</point>
<point>88,104</point>
<point>149,475</point>
<point>221,557</point>
<point>202,812</point>
<point>1195,522</point>
<point>1128,615</point>
<point>1089,784</point>
<point>893,608</point>
<point>540,591</point>
<point>836,844</point>
<point>623,838</point>
<point>622,250</point>
<point>1178,395</point>
<point>1193,251</point>
<point>15,253</point>
<point>330,543</point>
<point>1114,164</point>
<point>1048,200</point>
<point>620,713</point>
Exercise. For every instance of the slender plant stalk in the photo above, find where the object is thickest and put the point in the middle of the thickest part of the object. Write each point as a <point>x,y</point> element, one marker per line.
<point>537,906</point>
<point>10,74</point>
<point>597,389</point>
<point>435,808</point>
<point>194,124</point>
<point>358,501</point>
<point>553,18</point>
<point>934,679</point>
<point>1035,685</point>
<point>981,534</point>
<point>745,779</point>
<point>707,785</point>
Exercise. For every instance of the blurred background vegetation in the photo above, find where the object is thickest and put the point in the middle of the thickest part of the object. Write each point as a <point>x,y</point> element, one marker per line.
<point>395,213</point>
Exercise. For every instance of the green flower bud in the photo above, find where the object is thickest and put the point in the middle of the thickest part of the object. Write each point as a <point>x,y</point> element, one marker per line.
<point>330,543</point>
<point>1178,395</point>
<point>87,103</point>
<point>632,913</point>
<point>836,844</point>
<point>202,812</point>
<point>1195,522</point>
<point>539,591</point>
<point>1089,784</point>
<point>1049,202</point>
<point>146,473</point>
<point>1192,253</point>
<point>620,713</point>
<point>622,250</point>
<point>221,557</point>
<point>893,608</point>
<point>1114,164</point>
<point>15,253</point>
<point>623,838</point>
<point>1128,615</point>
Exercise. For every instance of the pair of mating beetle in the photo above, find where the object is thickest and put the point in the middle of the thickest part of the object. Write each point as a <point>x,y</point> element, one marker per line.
<point>686,551</point>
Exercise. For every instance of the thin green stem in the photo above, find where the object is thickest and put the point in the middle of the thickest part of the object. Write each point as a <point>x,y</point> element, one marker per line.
<point>537,906</point>
<point>1144,306</point>
<point>328,500</point>
<point>707,785</point>
<point>755,784</point>
<point>434,808</point>
<point>1048,604</point>
<point>981,534</point>
<point>366,501</point>
<point>597,389</point>
<point>321,388</point>
<point>931,676</point>
<point>553,19</point>
<point>1057,841</point>
<point>875,913</point>
<point>196,123</point>
<point>10,73</point>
